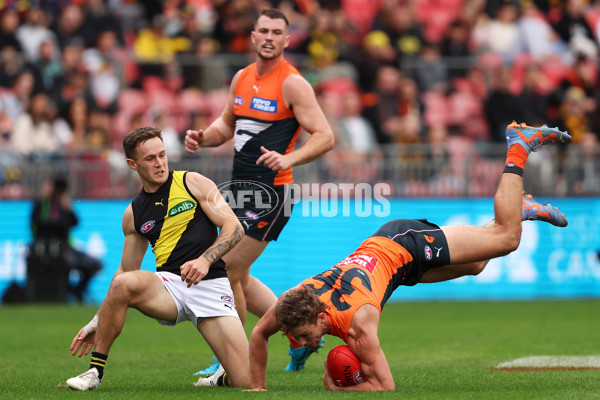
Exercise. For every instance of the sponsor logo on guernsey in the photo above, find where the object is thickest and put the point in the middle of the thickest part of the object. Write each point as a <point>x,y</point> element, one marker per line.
<point>251,214</point>
<point>366,261</point>
<point>238,101</point>
<point>147,226</point>
<point>181,207</point>
<point>430,239</point>
<point>265,105</point>
<point>428,253</point>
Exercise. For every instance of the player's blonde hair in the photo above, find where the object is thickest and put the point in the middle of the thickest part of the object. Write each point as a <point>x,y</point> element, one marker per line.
<point>297,307</point>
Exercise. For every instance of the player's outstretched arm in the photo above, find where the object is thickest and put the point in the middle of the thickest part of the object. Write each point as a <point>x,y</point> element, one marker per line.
<point>266,327</point>
<point>364,342</point>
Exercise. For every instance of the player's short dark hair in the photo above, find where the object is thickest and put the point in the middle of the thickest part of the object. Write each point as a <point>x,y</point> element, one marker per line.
<point>296,307</point>
<point>138,136</point>
<point>273,13</point>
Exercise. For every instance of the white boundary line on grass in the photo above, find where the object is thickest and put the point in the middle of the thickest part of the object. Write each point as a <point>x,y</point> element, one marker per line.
<point>552,362</point>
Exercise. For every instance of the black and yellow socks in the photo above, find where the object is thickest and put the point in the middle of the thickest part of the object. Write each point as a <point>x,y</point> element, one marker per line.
<point>98,361</point>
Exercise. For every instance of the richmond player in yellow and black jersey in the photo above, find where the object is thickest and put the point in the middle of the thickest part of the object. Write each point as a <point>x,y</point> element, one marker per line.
<point>178,213</point>
<point>176,227</point>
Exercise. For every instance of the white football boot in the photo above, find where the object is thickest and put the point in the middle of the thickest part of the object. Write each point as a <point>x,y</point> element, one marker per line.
<point>216,379</point>
<point>89,380</point>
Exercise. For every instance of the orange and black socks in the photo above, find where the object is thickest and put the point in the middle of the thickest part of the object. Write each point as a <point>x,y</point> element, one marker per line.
<point>515,160</point>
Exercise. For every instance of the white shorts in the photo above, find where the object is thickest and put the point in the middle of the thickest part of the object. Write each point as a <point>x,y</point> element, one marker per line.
<point>209,298</point>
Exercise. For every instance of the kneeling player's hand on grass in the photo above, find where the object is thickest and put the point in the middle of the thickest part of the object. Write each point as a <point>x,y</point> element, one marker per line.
<point>85,339</point>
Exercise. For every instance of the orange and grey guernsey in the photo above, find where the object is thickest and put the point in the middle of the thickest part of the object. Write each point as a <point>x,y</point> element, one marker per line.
<point>175,225</point>
<point>262,119</point>
<point>367,276</point>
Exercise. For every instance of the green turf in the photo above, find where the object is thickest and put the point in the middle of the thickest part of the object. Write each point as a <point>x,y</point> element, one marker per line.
<point>436,350</point>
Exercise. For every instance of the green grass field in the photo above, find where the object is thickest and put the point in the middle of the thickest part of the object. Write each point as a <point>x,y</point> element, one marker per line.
<point>438,350</point>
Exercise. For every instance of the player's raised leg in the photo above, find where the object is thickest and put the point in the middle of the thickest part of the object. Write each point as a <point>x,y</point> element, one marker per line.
<point>503,236</point>
<point>531,210</point>
<point>449,272</point>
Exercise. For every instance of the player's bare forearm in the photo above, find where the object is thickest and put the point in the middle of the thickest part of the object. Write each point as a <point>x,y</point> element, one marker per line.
<point>231,233</point>
<point>217,133</point>
<point>258,375</point>
<point>319,143</point>
<point>376,370</point>
<point>266,327</point>
<point>259,354</point>
<point>364,343</point>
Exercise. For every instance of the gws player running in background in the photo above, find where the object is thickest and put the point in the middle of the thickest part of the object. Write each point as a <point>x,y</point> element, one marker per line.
<point>269,103</point>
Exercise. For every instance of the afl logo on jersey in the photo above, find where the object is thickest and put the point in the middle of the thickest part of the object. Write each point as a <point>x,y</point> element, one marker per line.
<point>147,227</point>
<point>238,101</point>
<point>227,298</point>
<point>251,214</point>
<point>428,253</point>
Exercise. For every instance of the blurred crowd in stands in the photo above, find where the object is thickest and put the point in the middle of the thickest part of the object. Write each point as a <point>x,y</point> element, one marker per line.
<point>76,75</point>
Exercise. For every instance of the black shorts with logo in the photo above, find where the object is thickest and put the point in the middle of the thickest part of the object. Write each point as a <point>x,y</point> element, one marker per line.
<point>425,241</point>
<point>262,209</point>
